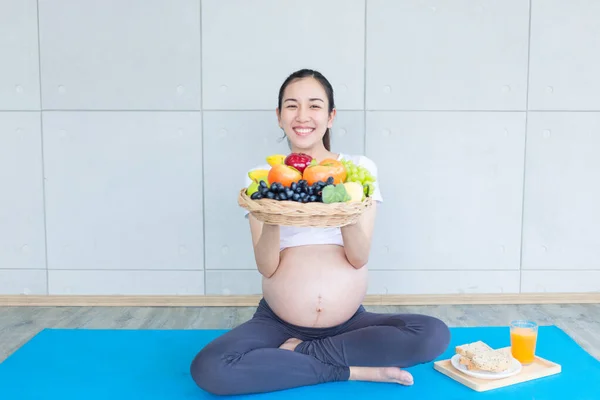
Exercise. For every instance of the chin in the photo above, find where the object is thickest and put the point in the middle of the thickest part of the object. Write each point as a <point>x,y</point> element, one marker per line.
<point>304,144</point>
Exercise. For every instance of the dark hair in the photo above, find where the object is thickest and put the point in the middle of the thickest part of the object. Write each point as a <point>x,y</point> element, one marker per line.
<point>309,73</point>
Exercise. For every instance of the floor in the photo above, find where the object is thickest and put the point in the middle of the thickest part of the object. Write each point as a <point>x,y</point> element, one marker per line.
<point>19,324</point>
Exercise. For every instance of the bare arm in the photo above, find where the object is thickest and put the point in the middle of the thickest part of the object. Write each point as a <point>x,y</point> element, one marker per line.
<point>265,240</point>
<point>357,238</point>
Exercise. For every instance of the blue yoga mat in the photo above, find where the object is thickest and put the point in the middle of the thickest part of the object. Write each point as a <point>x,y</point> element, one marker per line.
<point>154,364</point>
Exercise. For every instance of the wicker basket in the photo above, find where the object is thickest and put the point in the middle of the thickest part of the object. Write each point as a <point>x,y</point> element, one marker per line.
<point>292,213</point>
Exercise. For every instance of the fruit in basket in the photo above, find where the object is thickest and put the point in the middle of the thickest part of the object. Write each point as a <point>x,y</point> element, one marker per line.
<point>262,188</point>
<point>355,191</point>
<point>283,174</point>
<point>300,191</point>
<point>361,175</point>
<point>258,175</point>
<point>275,159</point>
<point>325,169</point>
<point>298,160</point>
<point>357,173</point>
<point>252,188</point>
<point>335,194</point>
<point>369,189</point>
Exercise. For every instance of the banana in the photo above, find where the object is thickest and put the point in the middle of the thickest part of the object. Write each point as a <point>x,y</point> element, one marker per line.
<point>276,159</point>
<point>258,175</point>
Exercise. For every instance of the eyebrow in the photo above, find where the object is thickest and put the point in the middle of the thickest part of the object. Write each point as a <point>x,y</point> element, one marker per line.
<point>311,99</point>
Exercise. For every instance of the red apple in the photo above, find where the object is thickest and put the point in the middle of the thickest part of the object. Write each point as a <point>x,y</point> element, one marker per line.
<point>298,160</point>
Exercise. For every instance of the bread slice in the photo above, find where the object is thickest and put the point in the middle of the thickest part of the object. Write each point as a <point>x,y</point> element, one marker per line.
<point>466,362</point>
<point>492,361</point>
<point>471,349</point>
<point>480,356</point>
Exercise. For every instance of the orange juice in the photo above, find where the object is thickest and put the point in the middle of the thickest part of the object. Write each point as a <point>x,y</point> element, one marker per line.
<point>523,340</point>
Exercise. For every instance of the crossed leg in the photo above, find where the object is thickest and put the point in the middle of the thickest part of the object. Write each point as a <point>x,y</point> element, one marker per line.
<point>248,359</point>
<point>375,346</point>
<point>371,347</point>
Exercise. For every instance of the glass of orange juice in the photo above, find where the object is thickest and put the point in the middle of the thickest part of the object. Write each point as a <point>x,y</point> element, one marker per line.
<point>523,339</point>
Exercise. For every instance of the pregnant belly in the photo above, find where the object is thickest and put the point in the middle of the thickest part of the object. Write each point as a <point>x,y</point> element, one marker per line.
<point>315,286</point>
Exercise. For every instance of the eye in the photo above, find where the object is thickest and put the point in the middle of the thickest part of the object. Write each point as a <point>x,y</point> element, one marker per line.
<point>291,106</point>
<point>315,106</point>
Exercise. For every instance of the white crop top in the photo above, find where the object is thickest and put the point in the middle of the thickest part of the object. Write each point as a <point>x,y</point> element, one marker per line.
<point>291,236</point>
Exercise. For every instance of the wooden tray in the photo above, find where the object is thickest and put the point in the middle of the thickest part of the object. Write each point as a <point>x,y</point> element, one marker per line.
<point>538,369</point>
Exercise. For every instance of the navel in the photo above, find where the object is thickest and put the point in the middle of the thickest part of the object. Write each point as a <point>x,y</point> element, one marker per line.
<point>319,308</point>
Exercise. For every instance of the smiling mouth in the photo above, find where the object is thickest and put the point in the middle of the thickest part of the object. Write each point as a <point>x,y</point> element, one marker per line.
<point>303,131</point>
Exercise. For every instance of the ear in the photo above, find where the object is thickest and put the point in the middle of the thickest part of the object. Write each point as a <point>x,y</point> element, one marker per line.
<point>331,118</point>
<point>278,117</point>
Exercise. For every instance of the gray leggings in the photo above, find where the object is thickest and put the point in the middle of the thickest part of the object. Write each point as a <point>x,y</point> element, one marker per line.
<point>247,359</point>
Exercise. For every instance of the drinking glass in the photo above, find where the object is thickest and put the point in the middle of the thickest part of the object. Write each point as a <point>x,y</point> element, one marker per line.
<point>523,340</point>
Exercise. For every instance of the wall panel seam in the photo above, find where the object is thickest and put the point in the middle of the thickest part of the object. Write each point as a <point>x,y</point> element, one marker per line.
<point>364,108</point>
<point>42,161</point>
<point>524,186</point>
<point>202,125</point>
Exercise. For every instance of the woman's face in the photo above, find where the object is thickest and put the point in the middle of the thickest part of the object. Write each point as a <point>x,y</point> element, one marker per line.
<point>304,115</point>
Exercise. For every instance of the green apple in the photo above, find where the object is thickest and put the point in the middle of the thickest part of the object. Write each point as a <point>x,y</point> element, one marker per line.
<point>355,190</point>
<point>252,188</point>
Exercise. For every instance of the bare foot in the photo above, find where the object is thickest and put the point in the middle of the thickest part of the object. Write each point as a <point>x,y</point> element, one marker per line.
<point>381,374</point>
<point>290,344</point>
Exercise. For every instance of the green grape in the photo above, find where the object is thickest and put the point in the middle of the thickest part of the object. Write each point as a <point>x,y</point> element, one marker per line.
<point>358,173</point>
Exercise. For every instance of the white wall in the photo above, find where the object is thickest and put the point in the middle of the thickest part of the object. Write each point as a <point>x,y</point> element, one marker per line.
<point>127,128</point>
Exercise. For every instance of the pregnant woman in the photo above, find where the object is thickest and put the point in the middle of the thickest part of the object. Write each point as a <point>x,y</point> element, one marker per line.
<point>310,326</point>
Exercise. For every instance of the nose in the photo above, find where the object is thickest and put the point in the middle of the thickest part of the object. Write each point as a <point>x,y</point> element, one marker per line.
<point>302,115</point>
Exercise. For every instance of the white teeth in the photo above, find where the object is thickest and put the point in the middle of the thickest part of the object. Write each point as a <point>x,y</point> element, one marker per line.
<point>304,130</point>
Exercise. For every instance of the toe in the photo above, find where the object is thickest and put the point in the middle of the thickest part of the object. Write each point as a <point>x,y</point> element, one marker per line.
<point>406,378</point>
